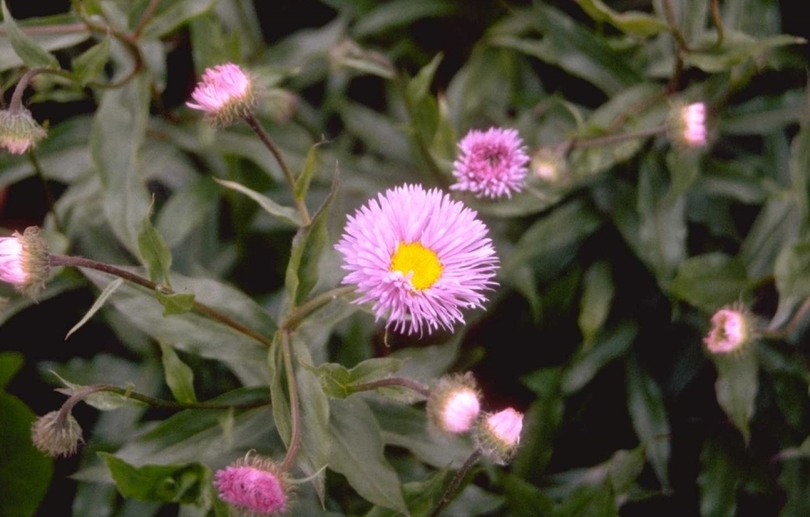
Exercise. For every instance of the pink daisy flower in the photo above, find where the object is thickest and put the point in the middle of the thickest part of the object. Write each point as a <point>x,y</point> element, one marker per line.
<point>419,257</point>
<point>225,92</point>
<point>492,163</point>
<point>254,486</point>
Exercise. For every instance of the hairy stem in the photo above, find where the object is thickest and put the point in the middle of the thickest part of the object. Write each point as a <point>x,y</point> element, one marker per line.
<point>453,486</point>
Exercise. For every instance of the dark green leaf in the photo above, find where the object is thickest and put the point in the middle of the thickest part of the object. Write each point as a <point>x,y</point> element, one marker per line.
<point>589,501</point>
<point>310,167</point>
<point>26,472</point>
<point>541,423</point>
<point>718,481</point>
<point>390,15</point>
<point>357,453</point>
<point>597,298</point>
<point>173,14</point>
<point>794,480</point>
<point>48,40</point>
<point>186,484</point>
<point>90,63</point>
<point>175,303</point>
<point>119,128</point>
<point>736,49</point>
<point>10,364</point>
<point>154,252</point>
<point>775,227</point>
<point>179,377</point>
<point>633,23</point>
<point>607,346</point>
<point>308,246</point>
<point>284,213</point>
<point>649,415</point>
<point>799,164</point>
<point>419,87</point>
<point>624,468</point>
<point>420,496</point>
<point>339,381</point>
<point>792,276</point>
<point>525,499</point>
<point>32,55</point>
<point>736,388</point>
<point>710,281</point>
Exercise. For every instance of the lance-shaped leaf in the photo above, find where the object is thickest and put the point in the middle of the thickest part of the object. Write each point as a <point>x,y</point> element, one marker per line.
<point>284,213</point>
<point>179,377</point>
<point>187,484</point>
<point>32,55</point>
<point>710,281</point>
<point>340,382</point>
<point>307,247</point>
<point>171,15</point>
<point>736,388</point>
<point>633,23</point>
<point>154,252</point>
<point>98,304</point>
<point>89,64</point>
<point>310,166</point>
<point>718,480</point>
<point>609,345</point>
<point>597,297</point>
<point>649,415</point>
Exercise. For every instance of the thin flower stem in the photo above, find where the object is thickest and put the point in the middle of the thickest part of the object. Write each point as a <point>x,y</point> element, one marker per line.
<point>147,15</point>
<point>295,317</point>
<point>453,486</point>
<point>254,124</point>
<point>81,262</point>
<point>295,413</point>
<point>416,386</point>
<point>613,139</point>
<point>16,98</point>
<point>48,194</point>
<point>155,402</point>
<point>718,22</point>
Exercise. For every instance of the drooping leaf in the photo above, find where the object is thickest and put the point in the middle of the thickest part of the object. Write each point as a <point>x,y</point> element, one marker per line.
<point>98,304</point>
<point>607,346</point>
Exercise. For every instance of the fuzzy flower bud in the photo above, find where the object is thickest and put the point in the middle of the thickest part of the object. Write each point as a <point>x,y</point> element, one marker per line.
<point>549,166</point>
<point>224,94</point>
<point>255,486</point>
<point>57,434</point>
<point>731,330</point>
<point>687,125</point>
<point>24,261</point>
<point>497,435</point>
<point>453,404</point>
<point>19,131</point>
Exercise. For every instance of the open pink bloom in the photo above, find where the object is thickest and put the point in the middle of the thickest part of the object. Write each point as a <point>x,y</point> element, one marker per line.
<point>506,426</point>
<point>460,411</point>
<point>11,260</point>
<point>254,490</point>
<point>729,331</point>
<point>224,92</point>
<point>419,257</point>
<point>693,118</point>
<point>492,163</point>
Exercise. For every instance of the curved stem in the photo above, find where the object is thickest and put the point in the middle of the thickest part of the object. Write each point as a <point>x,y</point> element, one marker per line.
<point>155,402</point>
<point>295,411</point>
<point>147,15</point>
<point>416,386</point>
<point>254,124</point>
<point>295,317</point>
<point>451,488</point>
<point>81,262</point>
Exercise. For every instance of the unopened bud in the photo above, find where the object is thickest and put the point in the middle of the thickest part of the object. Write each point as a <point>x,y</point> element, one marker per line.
<point>19,131</point>
<point>224,93</point>
<point>57,434</point>
<point>24,261</point>
<point>254,485</point>
<point>453,404</point>
<point>497,435</point>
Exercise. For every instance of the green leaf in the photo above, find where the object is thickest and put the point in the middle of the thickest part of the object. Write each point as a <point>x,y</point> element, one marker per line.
<point>541,423</point>
<point>179,377</point>
<point>102,400</point>
<point>718,481</point>
<point>794,480</point>
<point>119,128</point>
<point>608,346</point>
<point>624,468</point>
<point>154,252</point>
<point>596,301</point>
<point>310,167</point>
<point>419,87</point>
<point>792,277</point>
<point>195,333</point>
<point>98,304</point>
<point>187,484</point>
<point>357,453</point>
<point>390,15</point>
<point>633,23</point>
<point>308,246</point>
<point>339,382</point>
<point>710,281</point>
<point>26,473</point>
<point>175,303</point>
<point>420,496</point>
<point>284,213</point>
<point>736,388</point>
<point>737,48</point>
<point>91,62</point>
<point>186,210</point>
<point>587,501</point>
<point>48,41</point>
<point>775,227</point>
<point>649,415</point>
<point>32,55</point>
<point>10,364</point>
<point>172,14</point>
<point>525,499</point>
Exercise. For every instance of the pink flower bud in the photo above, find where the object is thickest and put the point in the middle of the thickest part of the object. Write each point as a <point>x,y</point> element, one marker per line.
<point>254,485</point>
<point>453,404</point>
<point>693,117</point>
<point>19,131</point>
<point>56,434</point>
<point>24,261</point>
<point>729,333</point>
<point>497,435</point>
<point>224,93</point>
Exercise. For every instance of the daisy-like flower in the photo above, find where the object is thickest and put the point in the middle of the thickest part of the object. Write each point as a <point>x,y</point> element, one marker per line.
<point>492,163</point>
<point>254,486</point>
<point>224,93</point>
<point>19,131</point>
<point>730,331</point>
<point>419,256</point>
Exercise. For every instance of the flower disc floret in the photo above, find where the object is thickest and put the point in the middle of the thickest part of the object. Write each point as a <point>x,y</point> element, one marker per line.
<point>419,257</point>
<point>492,163</point>
<point>224,93</point>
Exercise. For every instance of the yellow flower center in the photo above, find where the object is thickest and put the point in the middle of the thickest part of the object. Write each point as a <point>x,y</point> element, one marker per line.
<point>423,262</point>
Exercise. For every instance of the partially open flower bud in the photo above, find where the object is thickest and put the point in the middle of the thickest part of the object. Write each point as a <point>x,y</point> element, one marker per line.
<point>24,261</point>
<point>254,486</point>
<point>453,404</point>
<point>225,93</point>
<point>19,131</point>
<point>57,434</point>
<point>730,332</point>
<point>497,435</point>
<point>687,125</point>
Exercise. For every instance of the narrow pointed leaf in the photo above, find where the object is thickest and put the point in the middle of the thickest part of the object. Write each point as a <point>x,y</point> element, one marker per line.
<point>179,377</point>
<point>98,304</point>
<point>32,55</point>
<point>284,213</point>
